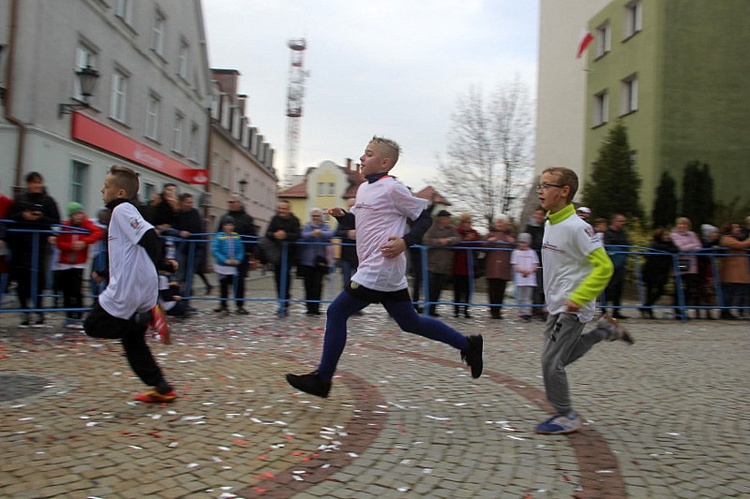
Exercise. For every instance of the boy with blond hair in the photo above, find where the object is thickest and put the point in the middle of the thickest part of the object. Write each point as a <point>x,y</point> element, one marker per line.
<point>383,207</point>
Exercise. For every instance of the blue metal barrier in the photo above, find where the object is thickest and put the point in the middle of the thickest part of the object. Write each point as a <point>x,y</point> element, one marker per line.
<point>186,250</point>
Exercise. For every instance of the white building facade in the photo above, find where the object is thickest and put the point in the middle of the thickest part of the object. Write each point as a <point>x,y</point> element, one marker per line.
<point>149,109</point>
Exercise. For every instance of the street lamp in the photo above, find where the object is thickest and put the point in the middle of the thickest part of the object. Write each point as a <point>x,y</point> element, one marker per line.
<point>87,77</point>
<point>243,183</point>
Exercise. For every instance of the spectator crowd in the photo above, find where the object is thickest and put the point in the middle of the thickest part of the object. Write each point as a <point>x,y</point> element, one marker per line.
<point>704,273</point>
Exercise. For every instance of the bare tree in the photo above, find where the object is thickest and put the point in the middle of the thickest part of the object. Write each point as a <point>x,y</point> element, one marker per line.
<point>489,151</point>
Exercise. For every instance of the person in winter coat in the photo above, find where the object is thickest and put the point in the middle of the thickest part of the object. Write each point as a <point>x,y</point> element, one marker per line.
<point>687,242</point>
<point>227,251</point>
<point>73,241</point>
<point>244,225</point>
<point>656,270</point>
<point>497,267</point>
<point>735,269</point>
<point>313,259</point>
<point>461,277</point>
<point>284,227</point>
<point>439,257</point>
<point>34,212</point>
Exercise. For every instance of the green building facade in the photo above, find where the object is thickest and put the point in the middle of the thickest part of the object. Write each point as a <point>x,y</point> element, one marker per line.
<point>675,72</point>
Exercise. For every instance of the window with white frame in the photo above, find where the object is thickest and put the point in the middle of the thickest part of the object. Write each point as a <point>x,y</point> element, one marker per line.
<point>182,60</point>
<point>633,18</point>
<point>603,39</point>
<point>119,97</point>
<point>153,111</point>
<point>601,108</point>
<point>194,141</point>
<point>124,10</point>
<point>331,188</point>
<point>321,188</point>
<point>78,182</point>
<point>629,94</point>
<point>160,24</point>
<point>84,57</point>
<point>178,129</point>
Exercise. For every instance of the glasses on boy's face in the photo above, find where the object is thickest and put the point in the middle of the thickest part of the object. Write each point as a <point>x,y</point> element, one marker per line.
<point>545,186</point>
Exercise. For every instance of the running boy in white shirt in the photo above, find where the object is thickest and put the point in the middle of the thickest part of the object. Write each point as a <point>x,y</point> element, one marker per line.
<point>576,270</point>
<point>381,211</point>
<point>123,309</point>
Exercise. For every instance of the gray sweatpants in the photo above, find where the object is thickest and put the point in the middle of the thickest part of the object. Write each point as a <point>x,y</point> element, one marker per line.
<point>563,345</point>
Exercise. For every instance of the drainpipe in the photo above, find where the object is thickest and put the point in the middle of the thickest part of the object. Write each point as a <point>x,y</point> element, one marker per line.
<point>9,96</point>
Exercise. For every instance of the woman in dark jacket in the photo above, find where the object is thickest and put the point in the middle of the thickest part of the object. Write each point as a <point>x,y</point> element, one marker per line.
<point>656,270</point>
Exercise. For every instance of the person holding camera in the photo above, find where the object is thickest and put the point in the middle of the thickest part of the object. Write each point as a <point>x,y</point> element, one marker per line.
<point>34,212</point>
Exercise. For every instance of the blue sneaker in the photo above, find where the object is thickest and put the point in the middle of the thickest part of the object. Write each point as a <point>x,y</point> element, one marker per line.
<point>560,424</point>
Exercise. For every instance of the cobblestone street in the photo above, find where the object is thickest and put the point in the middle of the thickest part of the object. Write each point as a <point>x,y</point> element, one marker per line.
<point>666,417</point>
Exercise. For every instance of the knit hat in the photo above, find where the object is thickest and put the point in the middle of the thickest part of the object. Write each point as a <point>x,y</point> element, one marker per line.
<point>707,230</point>
<point>524,238</point>
<point>74,208</point>
<point>226,219</point>
<point>443,213</point>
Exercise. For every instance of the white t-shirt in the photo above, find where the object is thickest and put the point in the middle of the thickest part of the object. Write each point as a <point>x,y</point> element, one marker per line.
<point>565,249</point>
<point>524,260</point>
<point>381,210</point>
<point>133,280</point>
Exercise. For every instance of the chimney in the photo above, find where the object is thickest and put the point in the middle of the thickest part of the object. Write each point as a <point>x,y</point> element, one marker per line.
<point>241,99</point>
<point>348,164</point>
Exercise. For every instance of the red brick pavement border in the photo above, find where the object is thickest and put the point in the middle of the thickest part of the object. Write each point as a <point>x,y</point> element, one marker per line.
<point>600,475</point>
<point>361,431</point>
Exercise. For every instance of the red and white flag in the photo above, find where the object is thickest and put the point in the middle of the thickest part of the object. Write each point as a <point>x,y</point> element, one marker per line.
<point>586,39</point>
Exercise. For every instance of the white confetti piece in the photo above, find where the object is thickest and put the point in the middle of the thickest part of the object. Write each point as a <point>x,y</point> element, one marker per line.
<point>221,447</point>
<point>192,465</point>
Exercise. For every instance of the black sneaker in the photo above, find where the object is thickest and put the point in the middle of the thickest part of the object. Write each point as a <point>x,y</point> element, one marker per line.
<point>242,311</point>
<point>310,383</point>
<point>473,355</point>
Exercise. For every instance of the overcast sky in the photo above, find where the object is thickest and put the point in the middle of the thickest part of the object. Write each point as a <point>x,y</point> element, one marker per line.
<point>389,67</point>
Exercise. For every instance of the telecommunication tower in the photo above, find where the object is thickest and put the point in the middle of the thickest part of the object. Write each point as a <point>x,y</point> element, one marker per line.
<point>295,94</point>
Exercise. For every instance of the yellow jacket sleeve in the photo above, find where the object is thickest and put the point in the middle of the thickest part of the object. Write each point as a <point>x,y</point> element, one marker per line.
<point>597,280</point>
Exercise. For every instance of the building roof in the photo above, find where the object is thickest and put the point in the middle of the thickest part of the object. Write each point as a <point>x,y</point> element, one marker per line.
<point>298,191</point>
<point>431,194</point>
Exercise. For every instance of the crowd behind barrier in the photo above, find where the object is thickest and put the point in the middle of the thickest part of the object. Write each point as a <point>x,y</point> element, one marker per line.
<point>185,251</point>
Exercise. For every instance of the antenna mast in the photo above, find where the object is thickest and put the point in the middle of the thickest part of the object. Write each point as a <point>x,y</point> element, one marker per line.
<point>295,94</point>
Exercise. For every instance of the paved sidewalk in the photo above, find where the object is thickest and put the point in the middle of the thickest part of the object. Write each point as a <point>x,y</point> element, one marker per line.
<point>667,417</point>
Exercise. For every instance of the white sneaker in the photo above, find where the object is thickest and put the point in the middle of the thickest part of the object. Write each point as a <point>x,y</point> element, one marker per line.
<point>560,424</point>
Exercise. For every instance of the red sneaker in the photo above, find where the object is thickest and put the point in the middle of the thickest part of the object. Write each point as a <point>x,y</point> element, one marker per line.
<point>160,325</point>
<point>154,397</point>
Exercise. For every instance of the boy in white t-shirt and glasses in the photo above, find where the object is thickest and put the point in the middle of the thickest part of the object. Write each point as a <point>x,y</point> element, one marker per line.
<point>576,270</point>
<point>381,211</point>
<point>123,309</point>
